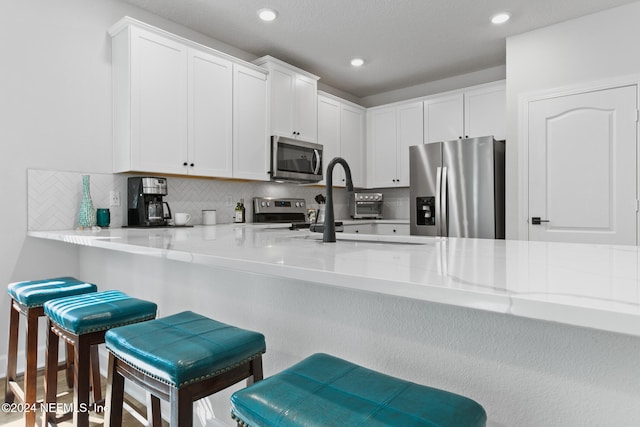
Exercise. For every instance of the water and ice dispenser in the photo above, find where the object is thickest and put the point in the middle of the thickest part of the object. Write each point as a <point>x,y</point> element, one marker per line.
<point>425,210</point>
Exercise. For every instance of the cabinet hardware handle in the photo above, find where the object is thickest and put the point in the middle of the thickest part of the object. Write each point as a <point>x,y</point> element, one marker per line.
<point>535,220</point>
<point>192,165</point>
<point>184,164</point>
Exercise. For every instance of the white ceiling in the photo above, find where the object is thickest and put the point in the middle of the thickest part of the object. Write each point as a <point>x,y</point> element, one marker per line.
<point>405,42</point>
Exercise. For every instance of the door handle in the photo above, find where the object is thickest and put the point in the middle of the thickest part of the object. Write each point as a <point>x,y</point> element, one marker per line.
<point>444,203</point>
<point>316,154</point>
<point>535,220</point>
<point>438,212</point>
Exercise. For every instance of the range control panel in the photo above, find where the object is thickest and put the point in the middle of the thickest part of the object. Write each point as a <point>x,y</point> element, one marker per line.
<point>269,209</point>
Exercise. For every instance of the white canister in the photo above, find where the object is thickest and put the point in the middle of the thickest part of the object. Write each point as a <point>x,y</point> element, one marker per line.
<point>209,217</point>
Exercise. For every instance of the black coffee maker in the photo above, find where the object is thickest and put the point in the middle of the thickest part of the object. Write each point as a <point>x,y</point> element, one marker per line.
<point>144,202</point>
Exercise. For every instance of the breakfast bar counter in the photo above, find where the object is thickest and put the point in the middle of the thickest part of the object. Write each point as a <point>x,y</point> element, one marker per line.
<point>537,333</point>
<point>595,286</point>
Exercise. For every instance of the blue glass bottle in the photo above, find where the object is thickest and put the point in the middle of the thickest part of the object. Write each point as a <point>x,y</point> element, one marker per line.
<point>87,215</point>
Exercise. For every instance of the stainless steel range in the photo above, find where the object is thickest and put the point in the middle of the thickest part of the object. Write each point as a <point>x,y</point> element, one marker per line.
<point>272,210</point>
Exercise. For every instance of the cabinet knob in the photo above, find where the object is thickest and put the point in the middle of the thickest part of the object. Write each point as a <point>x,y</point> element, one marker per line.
<point>192,165</point>
<point>459,137</point>
<point>184,164</point>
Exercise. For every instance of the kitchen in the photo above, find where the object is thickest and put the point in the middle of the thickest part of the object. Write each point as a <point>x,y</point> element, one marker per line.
<point>57,116</point>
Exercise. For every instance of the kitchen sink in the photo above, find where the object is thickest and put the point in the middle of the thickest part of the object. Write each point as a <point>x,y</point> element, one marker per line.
<point>372,238</point>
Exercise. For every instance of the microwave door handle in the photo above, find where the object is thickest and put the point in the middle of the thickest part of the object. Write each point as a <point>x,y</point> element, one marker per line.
<point>317,155</point>
<point>443,204</point>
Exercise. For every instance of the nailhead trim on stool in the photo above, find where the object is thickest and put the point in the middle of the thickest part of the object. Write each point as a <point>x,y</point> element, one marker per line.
<point>324,391</point>
<point>179,358</point>
<point>83,320</point>
<point>27,298</point>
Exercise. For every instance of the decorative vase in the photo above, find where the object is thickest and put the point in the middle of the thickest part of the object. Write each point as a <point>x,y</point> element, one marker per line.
<point>87,216</point>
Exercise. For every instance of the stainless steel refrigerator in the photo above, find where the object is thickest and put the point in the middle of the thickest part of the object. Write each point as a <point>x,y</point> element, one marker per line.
<point>457,188</point>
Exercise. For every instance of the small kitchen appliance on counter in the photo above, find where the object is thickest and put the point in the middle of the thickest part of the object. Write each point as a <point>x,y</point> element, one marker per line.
<point>366,205</point>
<point>144,202</point>
<point>272,210</point>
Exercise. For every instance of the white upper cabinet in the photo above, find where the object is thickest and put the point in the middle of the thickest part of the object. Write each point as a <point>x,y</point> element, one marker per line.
<point>474,112</point>
<point>150,102</point>
<point>391,131</point>
<point>174,106</point>
<point>485,111</point>
<point>341,133</point>
<point>444,118</point>
<point>210,144</point>
<point>250,141</point>
<point>352,149</point>
<point>293,100</point>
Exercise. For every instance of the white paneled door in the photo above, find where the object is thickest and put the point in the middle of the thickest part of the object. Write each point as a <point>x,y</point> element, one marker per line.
<point>582,167</point>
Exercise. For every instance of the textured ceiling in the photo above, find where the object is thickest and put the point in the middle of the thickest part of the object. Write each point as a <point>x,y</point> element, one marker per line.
<point>405,42</point>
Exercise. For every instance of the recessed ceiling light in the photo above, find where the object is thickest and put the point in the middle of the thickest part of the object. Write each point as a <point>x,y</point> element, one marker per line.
<point>500,18</point>
<point>357,62</point>
<point>267,14</point>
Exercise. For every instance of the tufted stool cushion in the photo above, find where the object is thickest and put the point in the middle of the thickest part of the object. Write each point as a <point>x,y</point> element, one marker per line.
<point>35,293</point>
<point>184,348</point>
<point>323,390</point>
<point>98,311</point>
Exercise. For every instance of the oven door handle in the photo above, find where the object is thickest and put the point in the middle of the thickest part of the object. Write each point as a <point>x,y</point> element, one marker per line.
<point>316,154</point>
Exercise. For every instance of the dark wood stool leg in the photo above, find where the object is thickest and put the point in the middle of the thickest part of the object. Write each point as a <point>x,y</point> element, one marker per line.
<point>256,370</point>
<point>181,408</point>
<point>95,376</point>
<point>154,415</point>
<point>81,360</point>
<point>69,369</point>
<point>31,369</point>
<point>12,355</point>
<point>50,376</point>
<point>115,396</point>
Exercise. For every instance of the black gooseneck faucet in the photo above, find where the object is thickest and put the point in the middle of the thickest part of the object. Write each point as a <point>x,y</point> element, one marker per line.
<point>329,229</point>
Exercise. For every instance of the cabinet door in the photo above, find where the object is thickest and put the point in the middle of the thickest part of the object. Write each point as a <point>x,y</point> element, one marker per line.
<point>250,141</point>
<point>383,147</point>
<point>444,118</point>
<point>282,100</point>
<point>305,112</point>
<point>158,103</point>
<point>352,142</point>
<point>485,112</point>
<point>329,133</point>
<point>210,115</point>
<point>410,127</point>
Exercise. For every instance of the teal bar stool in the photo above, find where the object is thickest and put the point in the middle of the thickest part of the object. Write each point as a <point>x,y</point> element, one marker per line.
<point>180,359</point>
<point>325,391</point>
<point>83,321</point>
<point>28,298</point>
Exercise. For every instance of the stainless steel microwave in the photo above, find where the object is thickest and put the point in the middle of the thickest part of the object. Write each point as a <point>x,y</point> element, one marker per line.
<point>295,160</point>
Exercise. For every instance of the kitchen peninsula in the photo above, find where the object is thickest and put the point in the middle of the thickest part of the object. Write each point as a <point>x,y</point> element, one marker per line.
<point>451,313</point>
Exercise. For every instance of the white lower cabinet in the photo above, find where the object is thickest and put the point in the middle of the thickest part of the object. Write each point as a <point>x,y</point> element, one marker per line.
<point>174,107</point>
<point>392,229</point>
<point>341,132</point>
<point>389,229</point>
<point>359,228</point>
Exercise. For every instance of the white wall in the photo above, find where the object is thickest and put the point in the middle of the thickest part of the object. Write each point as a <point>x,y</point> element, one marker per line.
<point>55,113</point>
<point>588,49</point>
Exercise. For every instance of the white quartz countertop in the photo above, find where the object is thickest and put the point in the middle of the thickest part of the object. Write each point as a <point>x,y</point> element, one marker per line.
<point>595,286</point>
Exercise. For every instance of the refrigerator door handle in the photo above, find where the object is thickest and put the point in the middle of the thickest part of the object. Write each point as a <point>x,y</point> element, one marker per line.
<point>444,221</point>
<point>438,212</point>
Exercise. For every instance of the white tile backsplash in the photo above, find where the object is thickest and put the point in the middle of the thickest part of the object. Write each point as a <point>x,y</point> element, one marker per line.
<point>54,197</point>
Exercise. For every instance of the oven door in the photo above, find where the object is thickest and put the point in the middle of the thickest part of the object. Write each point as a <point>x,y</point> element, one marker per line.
<point>294,160</point>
